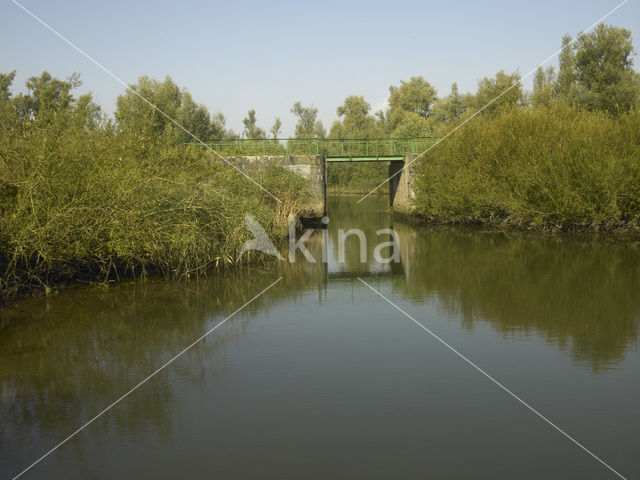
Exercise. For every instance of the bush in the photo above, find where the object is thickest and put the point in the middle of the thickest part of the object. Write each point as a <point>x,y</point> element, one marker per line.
<point>555,167</point>
<point>91,205</point>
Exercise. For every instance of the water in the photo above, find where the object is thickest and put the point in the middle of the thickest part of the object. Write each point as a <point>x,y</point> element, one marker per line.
<point>321,378</point>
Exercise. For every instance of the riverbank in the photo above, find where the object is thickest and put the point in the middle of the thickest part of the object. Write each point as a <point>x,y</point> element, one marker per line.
<point>84,199</point>
<point>95,208</point>
<point>556,169</point>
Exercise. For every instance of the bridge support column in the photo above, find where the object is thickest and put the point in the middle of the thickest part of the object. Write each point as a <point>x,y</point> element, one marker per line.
<point>400,186</point>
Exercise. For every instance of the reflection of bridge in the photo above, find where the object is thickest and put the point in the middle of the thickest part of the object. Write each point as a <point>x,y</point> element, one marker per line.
<point>309,158</point>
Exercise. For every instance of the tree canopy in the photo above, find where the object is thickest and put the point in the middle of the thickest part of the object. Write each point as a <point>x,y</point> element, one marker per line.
<point>251,129</point>
<point>417,96</point>
<point>136,114</point>
<point>355,121</point>
<point>308,126</point>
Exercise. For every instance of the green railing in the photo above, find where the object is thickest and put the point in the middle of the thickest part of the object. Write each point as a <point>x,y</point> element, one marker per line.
<point>333,149</point>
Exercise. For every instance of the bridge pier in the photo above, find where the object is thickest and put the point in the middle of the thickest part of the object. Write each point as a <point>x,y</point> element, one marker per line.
<point>401,191</point>
<point>314,169</point>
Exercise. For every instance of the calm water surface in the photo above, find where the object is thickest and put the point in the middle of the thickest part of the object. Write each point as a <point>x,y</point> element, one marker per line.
<point>320,378</point>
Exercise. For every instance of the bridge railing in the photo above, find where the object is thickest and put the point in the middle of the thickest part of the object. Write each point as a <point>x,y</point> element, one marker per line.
<point>331,148</point>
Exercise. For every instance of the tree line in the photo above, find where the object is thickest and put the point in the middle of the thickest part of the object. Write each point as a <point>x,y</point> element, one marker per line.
<point>595,73</point>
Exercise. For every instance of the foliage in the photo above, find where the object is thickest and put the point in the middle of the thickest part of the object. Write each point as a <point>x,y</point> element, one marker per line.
<point>135,113</point>
<point>417,96</point>
<point>565,84</point>
<point>605,76</point>
<point>557,167</point>
<point>251,129</point>
<point>92,204</point>
<point>451,107</point>
<point>543,84</point>
<point>503,89</point>
<point>596,71</point>
<point>357,177</point>
<point>308,125</point>
<point>355,120</point>
<point>275,129</point>
<point>404,124</point>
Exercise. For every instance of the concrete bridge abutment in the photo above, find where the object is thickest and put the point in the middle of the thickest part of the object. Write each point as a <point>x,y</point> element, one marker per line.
<point>401,192</point>
<point>314,169</point>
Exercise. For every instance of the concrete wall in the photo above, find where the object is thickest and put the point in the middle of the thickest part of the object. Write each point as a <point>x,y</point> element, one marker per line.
<point>311,167</point>
<point>401,186</point>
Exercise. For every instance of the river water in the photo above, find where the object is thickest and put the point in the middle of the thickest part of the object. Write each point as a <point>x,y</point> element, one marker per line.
<point>322,378</point>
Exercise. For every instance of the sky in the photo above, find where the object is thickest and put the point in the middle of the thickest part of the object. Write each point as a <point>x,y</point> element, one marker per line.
<point>236,56</point>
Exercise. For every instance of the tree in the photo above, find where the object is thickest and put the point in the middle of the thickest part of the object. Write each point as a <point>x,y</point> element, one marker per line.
<point>275,129</point>
<point>308,125</point>
<point>566,81</point>
<point>217,129</point>
<point>196,120</point>
<point>604,70</point>
<point>6,79</point>
<point>139,117</point>
<point>417,95</point>
<point>406,124</point>
<point>251,129</point>
<point>544,83</point>
<point>451,107</point>
<point>49,100</point>
<point>596,70</point>
<point>46,97</point>
<point>86,113</point>
<point>355,120</point>
<point>503,89</point>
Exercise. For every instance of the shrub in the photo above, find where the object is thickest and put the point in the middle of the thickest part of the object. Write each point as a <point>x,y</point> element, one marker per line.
<point>555,167</point>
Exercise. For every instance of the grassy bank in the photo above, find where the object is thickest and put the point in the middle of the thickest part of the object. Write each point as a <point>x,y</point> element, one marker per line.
<point>543,168</point>
<point>82,205</point>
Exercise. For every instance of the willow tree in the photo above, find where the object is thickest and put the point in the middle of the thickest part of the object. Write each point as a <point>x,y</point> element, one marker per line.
<point>308,124</point>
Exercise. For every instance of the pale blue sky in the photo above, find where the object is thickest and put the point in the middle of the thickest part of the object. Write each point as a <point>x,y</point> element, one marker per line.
<point>234,56</point>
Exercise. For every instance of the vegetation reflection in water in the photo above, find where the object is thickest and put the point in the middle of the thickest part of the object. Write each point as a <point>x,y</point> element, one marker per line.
<point>579,292</point>
<point>63,358</point>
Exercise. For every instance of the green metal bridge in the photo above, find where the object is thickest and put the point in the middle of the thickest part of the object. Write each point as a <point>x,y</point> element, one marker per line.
<point>334,150</point>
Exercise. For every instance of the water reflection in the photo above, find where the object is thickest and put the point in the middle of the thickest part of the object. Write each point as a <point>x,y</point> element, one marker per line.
<point>64,358</point>
<point>578,293</point>
<point>345,215</point>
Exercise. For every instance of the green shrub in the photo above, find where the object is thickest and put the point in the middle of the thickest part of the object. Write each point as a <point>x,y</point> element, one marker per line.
<point>93,205</point>
<point>556,167</point>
